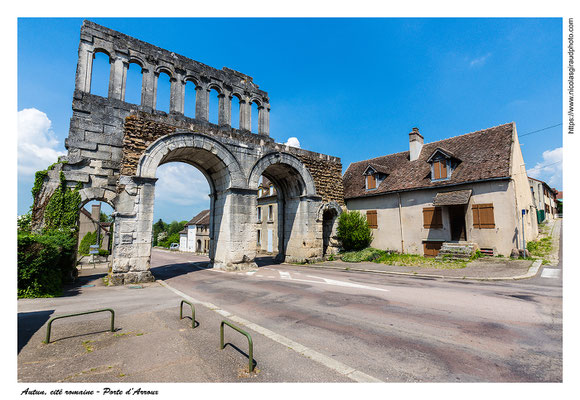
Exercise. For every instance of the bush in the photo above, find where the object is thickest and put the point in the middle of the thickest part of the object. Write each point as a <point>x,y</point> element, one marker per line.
<point>104,253</point>
<point>353,231</point>
<point>44,262</point>
<point>87,241</point>
<point>173,238</point>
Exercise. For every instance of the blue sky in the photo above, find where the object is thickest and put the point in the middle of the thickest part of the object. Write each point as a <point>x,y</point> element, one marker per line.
<point>352,88</point>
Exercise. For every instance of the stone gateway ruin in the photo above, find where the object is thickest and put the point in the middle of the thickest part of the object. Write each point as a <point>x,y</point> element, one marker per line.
<point>114,149</point>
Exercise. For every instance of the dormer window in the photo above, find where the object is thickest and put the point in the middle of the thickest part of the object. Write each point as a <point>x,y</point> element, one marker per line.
<point>373,178</point>
<point>442,164</point>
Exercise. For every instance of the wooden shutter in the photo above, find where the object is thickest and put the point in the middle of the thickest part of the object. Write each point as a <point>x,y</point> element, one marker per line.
<point>372,219</point>
<point>483,216</point>
<point>436,170</point>
<point>431,249</point>
<point>443,166</point>
<point>432,218</point>
<point>371,182</point>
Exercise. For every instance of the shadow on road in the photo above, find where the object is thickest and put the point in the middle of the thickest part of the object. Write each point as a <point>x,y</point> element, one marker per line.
<point>29,323</point>
<point>172,270</point>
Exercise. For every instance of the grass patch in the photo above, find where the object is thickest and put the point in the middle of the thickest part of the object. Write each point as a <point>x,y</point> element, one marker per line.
<point>368,254</point>
<point>540,248</point>
<point>409,260</point>
<point>87,346</point>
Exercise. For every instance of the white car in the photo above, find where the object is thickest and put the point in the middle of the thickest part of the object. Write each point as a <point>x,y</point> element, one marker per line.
<point>174,246</point>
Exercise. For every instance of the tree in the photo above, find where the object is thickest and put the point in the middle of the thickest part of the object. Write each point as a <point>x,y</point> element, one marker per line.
<point>353,231</point>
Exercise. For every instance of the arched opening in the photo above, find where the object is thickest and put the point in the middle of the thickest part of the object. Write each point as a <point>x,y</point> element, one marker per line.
<point>163,91</point>
<point>101,72</point>
<point>134,83</point>
<point>181,195</point>
<point>95,235</point>
<point>190,99</point>
<point>213,106</point>
<point>235,122</point>
<point>255,113</point>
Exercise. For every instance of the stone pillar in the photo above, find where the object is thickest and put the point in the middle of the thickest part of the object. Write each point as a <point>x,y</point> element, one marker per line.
<point>201,103</point>
<point>132,232</point>
<point>147,90</point>
<point>302,233</point>
<point>222,112</point>
<point>84,68</point>
<point>265,120</point>
<point>261,121</point>
<point>234,230</point>
<point>155,83</point>
<point>177,94</point>
<point>118,77</point>
<point>245,115</point>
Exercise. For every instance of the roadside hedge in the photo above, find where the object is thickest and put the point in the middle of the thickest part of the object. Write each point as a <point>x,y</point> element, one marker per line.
<point>44,262</point>
<point>353,231</point>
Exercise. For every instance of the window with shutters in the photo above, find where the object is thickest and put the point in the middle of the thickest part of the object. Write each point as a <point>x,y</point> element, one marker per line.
<point>371,182</point>
<point>483,216</point>
<point>372,219</point>
<point>432,218</point>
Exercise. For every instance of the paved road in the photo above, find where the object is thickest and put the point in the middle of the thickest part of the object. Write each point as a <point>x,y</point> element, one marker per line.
<point>396,329</point>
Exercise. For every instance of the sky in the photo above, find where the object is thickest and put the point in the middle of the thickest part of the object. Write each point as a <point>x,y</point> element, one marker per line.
<point>352,88</point>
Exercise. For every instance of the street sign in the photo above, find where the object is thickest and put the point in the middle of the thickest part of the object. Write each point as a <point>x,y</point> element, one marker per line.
<point>94,249</point>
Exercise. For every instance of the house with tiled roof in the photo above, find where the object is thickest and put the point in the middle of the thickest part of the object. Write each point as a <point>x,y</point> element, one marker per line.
<point>195,235</point>
<point>267,217</point>
<point>469,189</point>
<point>544,199</point>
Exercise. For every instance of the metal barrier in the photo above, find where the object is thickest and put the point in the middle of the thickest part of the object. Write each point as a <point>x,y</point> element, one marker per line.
<point>192,312</point>
<point>246,334</point>
<point>74,315</point>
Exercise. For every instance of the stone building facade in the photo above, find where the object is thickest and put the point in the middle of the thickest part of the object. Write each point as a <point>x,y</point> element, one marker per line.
<point>115,147</point>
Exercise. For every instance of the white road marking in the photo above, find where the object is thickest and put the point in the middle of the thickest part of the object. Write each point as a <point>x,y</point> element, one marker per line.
<point>285,275</point>
<point>550,273</point>
<point>328,362</point>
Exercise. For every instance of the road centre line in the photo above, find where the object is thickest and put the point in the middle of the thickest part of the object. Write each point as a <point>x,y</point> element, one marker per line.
<point>352,373</point>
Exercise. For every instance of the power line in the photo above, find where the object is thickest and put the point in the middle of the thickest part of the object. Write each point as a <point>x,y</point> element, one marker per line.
<point>539,130</point>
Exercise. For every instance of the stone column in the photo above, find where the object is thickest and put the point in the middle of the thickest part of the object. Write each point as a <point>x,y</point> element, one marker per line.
<point>147,90</point>
<point>245,115</point>
<point>265,113</point>
<point>302,233</point>
<point>176,100</point>
<point>222,111</point>
<point>118,77</point>
<point>84,68</point>
<point>261,121</point>
<point>201,103</point>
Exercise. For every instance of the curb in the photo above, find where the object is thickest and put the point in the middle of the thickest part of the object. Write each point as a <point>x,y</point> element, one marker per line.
<point>532,271</point>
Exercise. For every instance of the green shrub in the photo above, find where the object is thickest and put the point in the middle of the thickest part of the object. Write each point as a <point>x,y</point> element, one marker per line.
<point>173,238</point>
<point>353,231</point>
<point>87,241</point>
<point>44,262</point>
<point>104,253</point>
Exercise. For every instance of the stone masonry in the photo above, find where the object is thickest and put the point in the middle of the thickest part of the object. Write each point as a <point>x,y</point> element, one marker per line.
<point>114,149</point>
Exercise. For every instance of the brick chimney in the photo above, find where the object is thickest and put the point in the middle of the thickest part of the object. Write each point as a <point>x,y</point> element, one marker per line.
<point>96,212</point>
<point>415,144</point>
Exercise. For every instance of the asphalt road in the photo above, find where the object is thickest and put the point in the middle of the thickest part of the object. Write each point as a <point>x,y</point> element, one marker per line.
<point>395,329</point>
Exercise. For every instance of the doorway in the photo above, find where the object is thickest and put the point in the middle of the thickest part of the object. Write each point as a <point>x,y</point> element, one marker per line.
<point>457,222</point>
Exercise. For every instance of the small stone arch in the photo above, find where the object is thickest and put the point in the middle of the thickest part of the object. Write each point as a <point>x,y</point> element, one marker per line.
<point>215,86</point>
<point>137,60</point>
<point>99,194</point>
<point>257,101</point>
<point>330,206</point>
<point>282,158</point>
<point>191,78</point>
<point>164,69</point>
<point>102,50</point>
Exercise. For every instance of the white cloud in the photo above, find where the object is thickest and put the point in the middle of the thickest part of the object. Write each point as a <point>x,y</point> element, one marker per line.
<point>37,145</point>
<point>181,184</point>
<point>549,169</point>
<point>479,60</point>
<point>293,142</point>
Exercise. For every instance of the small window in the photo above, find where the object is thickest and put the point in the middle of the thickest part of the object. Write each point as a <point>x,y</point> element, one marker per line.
<point>371,182</point>
<point>483,216</point>
<point>270,213</point>
<point>432,218</point>
<point>259,214</point>
<point>372,219</point>
<point>259,241</point>
<point>440,169</point>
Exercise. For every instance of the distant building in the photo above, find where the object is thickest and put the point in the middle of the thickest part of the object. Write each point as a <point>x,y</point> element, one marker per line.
<point>468,190</point>
<point>90,222</point>
<point>267,217</point>
<point>195,235</point>
<point>544,199</point>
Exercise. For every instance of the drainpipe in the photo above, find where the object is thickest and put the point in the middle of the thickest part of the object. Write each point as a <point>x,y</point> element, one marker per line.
<point>401,224</point>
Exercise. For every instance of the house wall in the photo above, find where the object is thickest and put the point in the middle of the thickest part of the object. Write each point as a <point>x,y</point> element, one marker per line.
<point>268,224</point>
<point>388,234</point>
<point>523,195</point>
<point>191,237</point>
<point>183,242</point>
